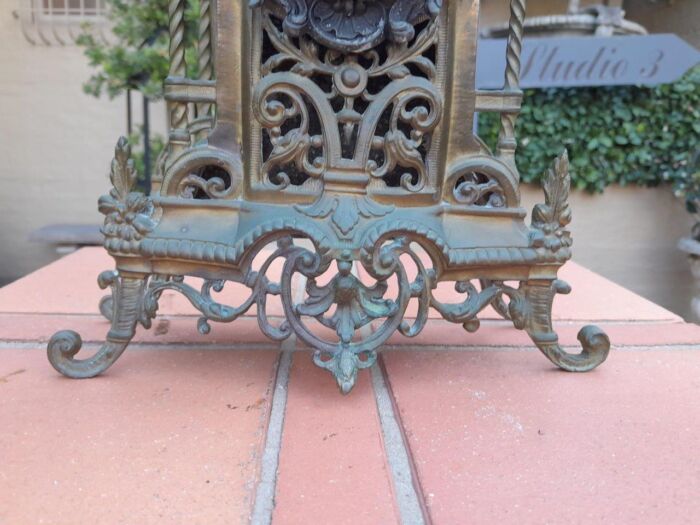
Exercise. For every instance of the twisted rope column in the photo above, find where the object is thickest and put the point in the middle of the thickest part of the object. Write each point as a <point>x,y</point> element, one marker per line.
<point>179,137</point>
<point>507,142</point>
<point>204,50</point>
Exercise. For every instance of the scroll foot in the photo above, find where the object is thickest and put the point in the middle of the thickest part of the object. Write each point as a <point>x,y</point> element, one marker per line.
<point>65,344</point>
<point>128,294</point>
<point>595,342</point>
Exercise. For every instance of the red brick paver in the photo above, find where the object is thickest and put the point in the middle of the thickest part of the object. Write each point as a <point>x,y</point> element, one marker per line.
<point>176,431</point>
<point>501,437</point>
<point>165,437</point>
<point>328,445</point>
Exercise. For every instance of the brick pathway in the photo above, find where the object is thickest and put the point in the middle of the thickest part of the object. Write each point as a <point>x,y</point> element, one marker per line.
<point>452,428</point>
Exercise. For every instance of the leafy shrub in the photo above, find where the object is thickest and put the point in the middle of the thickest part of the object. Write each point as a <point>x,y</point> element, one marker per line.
<point>615,135</point>
<point>137,55</point>
<point>136,141</point>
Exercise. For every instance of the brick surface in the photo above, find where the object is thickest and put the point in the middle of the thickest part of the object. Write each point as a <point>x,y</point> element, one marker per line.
<point>332,467</point>
<point>66,286</point>
<point>498,438</point>
<point>166,437</point>
<point>165,330</point>
<point>173,432</point>
<point>438,333</point>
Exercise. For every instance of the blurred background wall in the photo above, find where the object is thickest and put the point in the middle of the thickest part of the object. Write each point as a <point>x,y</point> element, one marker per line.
<point>56,144</point>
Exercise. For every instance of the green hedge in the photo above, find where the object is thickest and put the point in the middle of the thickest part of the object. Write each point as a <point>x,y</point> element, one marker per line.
<point>615,135</point>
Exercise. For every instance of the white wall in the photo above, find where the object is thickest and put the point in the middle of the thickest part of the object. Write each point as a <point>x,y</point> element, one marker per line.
<point>55,143</point>
<point>629,235</point>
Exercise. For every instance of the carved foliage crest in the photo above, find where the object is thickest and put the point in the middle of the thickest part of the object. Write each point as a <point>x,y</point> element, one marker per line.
<point>127,212</point>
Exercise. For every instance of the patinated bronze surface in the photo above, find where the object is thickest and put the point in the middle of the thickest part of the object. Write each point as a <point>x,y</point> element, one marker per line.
<point>337,137</point>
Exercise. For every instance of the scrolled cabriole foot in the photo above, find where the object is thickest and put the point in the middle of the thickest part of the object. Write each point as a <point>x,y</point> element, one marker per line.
<point>128,295</point>
<point>596,347</point>
<point>65,344</point>
<point>595,342</point>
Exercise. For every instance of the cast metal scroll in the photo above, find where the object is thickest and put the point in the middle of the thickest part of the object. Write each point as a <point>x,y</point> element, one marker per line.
<point>360,129</point>
<point>346,94</point>
<point>345,305</point>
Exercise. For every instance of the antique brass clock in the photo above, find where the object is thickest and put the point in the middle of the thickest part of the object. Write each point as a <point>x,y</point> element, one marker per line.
<point>336,136</point>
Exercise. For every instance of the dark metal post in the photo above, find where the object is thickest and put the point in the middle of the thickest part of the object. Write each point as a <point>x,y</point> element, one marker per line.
<point>146,144</point>
<point>128,112</point>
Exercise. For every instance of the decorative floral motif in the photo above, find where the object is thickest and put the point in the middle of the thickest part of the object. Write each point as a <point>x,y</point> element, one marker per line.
<point>354,25</point>
<point>551,218</point>
<point>127,213</point>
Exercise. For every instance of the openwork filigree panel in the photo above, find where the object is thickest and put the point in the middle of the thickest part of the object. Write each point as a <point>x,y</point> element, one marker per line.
<point>318,108</point>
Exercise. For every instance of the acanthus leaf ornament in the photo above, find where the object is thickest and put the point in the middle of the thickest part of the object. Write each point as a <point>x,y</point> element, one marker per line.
<point>345,211</point>
<point>127,212</point>
<point>551,218</point>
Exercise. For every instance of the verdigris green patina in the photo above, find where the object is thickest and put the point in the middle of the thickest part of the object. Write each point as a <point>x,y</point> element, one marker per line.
<point>336,136</point>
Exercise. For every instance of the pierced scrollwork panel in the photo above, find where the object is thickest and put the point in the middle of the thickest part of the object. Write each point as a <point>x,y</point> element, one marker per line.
<point>372,112</point>
<point>347,306</point>
<point>260,285</point>
<point>281,108</point>
<point>477,189</point>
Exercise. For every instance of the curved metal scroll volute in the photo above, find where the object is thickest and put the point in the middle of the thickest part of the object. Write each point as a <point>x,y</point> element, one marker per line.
<point>127,301</point>
<point>497,303</point>
<point>596,344</point>
<point>530,308</point>
<point>346,305</point>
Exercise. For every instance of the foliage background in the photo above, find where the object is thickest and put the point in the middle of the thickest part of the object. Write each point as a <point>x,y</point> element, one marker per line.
<point>615,135</point>
<point>137,58</point>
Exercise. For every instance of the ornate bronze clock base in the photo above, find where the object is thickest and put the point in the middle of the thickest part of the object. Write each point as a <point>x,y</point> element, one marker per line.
<point>341,147</point>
